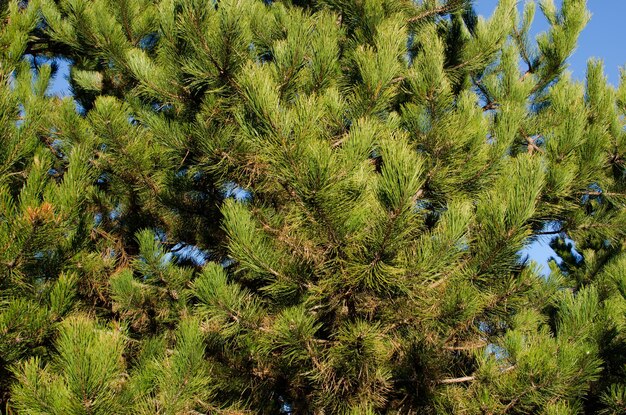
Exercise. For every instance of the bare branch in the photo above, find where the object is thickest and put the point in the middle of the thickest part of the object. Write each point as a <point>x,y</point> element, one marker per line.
<point>457,380</point>
<point>467,346</point>
<point>448,381</point>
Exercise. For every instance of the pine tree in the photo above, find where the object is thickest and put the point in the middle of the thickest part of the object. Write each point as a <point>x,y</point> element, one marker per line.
<point>307,207</point>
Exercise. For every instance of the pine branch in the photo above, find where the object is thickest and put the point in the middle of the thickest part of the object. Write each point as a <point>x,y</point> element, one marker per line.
<point>523,51</point>
<point>467,346</point>
<point>556,232</point>
<point>531,141</point>
<point>387,234</point>
<point>457,380</point>
<point>601,193</point>
<point>447,8</point>
<point>491,102</point>
<point>126,24</point>
<point>515,400</point>
<point>471,378</point>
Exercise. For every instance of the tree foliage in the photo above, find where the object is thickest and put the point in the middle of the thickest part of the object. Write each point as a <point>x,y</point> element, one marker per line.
<point>307,207</point>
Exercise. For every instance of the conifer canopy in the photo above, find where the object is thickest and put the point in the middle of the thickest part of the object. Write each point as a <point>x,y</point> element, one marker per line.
<point>308,207</point>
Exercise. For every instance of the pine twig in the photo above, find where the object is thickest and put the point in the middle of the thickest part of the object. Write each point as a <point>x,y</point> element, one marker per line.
<point>428,13</point>
<point>471,378</point>
<point>601,193</point>
<point>467,346</point>
<point>457,380</point>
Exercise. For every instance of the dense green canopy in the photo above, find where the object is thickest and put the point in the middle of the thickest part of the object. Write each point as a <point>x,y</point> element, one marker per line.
<point>307,207</point>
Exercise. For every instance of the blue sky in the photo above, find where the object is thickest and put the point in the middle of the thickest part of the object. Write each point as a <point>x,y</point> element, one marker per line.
<point>60,86</point>
<point>604,37</point>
